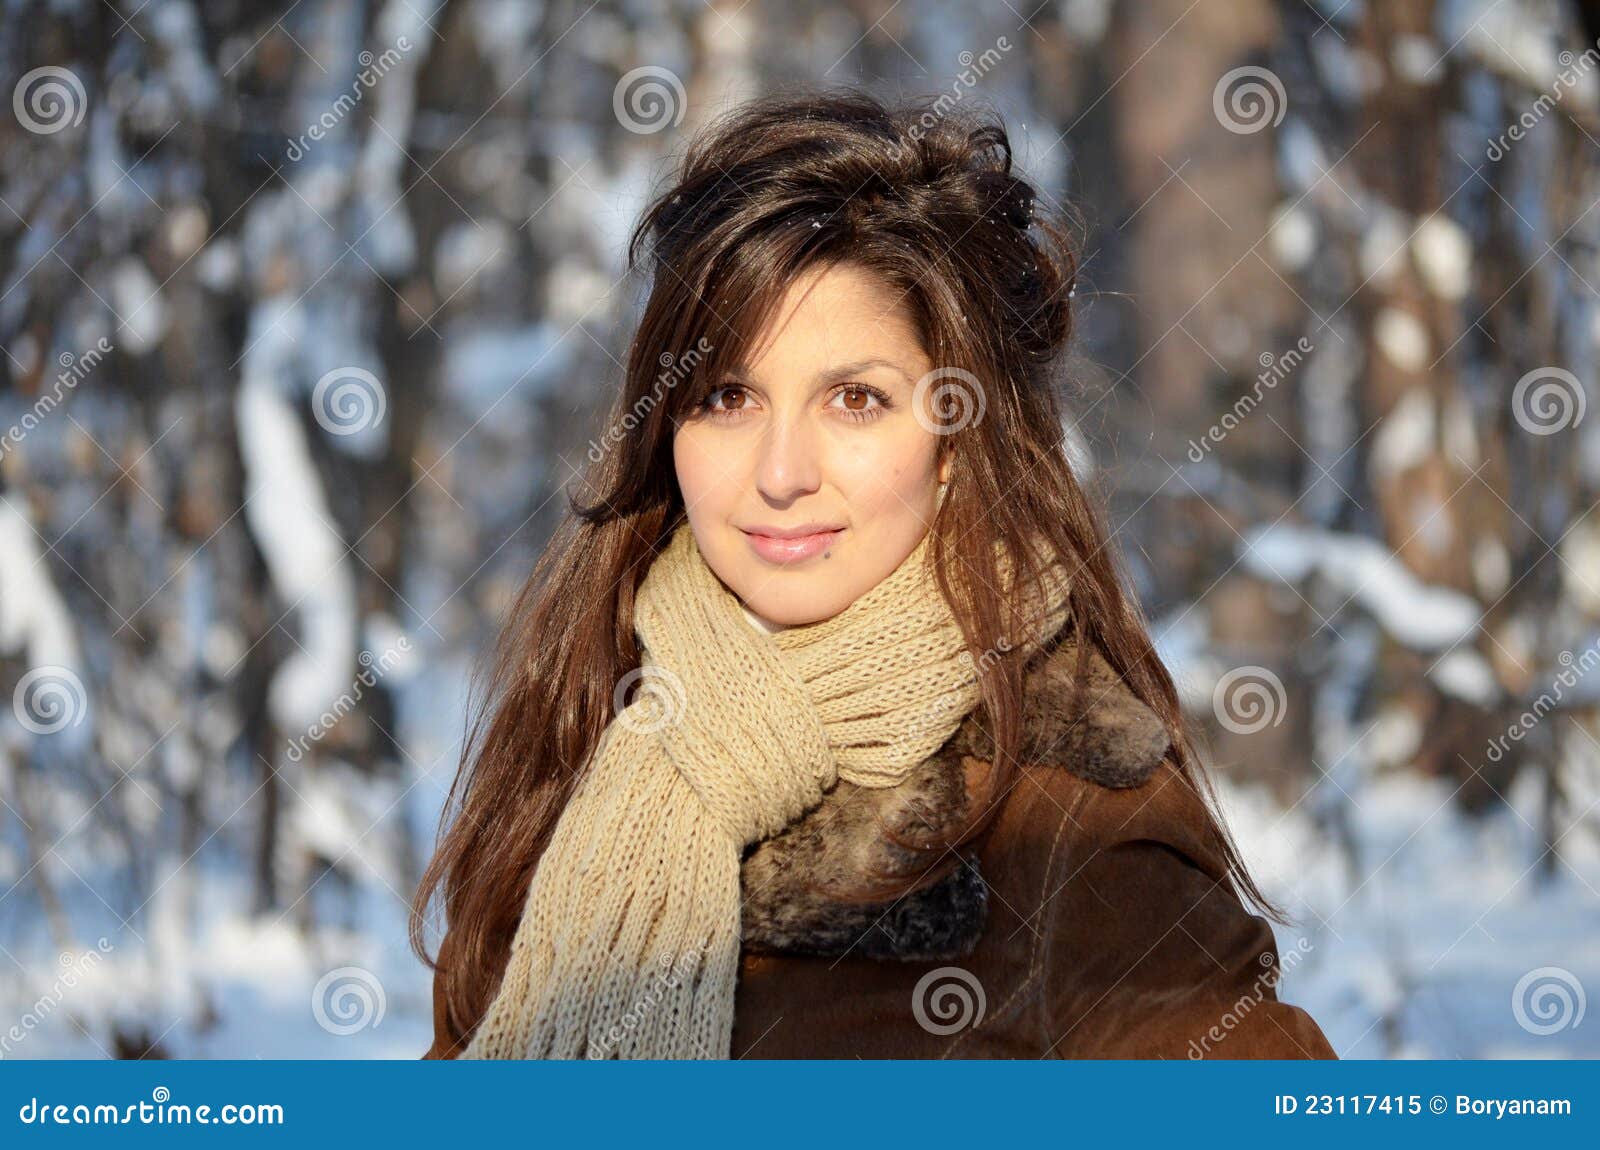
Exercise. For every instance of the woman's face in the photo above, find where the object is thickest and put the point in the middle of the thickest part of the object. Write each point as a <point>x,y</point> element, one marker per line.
<point>816,441</point>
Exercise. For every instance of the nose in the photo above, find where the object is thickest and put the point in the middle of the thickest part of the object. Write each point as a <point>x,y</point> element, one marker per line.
<point>788,466</point>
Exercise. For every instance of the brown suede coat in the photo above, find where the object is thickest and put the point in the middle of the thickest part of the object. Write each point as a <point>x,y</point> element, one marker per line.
<point>1093,919</point>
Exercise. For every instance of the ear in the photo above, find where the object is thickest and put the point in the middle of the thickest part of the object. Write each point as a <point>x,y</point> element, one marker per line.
<point>1117,741</point>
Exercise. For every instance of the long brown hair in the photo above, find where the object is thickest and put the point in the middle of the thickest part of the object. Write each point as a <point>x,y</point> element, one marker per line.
<point>927,200</point>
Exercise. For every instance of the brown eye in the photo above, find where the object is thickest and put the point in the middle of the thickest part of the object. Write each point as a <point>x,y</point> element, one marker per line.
<point>860,402</point>
<point>710,406</point>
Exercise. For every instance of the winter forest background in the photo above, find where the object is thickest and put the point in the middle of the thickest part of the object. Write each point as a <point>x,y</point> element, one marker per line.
<point>308,312</point>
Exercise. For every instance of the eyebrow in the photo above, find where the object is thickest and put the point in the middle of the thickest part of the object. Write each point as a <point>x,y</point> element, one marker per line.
<point>833,374</point>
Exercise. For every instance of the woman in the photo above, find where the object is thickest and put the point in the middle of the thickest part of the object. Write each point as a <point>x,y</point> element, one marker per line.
<point>826,729</point>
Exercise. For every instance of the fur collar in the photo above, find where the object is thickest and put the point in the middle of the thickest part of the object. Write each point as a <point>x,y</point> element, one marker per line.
<point>786,880</point>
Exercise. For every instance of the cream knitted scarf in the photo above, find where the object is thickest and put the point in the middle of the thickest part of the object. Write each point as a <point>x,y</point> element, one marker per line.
<point>629,941</point>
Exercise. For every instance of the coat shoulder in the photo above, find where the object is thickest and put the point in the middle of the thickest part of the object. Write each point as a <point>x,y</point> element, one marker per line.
<point>1149,950</point>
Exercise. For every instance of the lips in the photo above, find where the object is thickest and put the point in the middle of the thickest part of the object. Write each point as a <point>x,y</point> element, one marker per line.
<point>792,548</point>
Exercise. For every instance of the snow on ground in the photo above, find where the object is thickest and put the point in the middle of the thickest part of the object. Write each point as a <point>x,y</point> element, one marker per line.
<point>234,986</point>
<point>242,989</point>
<point>1420,954</point>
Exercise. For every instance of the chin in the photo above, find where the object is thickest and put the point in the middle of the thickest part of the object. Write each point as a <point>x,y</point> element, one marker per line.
<point>792,596</point>
<point>797,608</point>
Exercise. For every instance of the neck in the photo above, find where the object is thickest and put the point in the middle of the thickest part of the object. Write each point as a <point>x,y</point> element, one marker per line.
<point>759,623</point>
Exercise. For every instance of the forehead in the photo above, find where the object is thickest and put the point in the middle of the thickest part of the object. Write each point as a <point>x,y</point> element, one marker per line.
<point>835,314</point>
